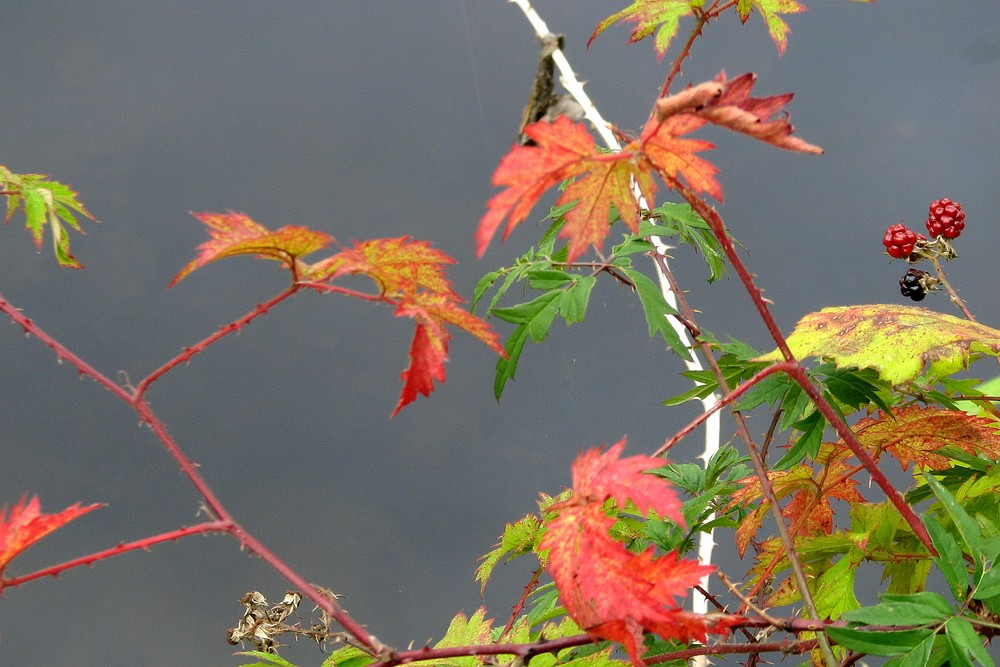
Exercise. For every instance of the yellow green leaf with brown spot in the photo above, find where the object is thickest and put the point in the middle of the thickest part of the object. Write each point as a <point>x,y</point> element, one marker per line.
<point>899,342</point>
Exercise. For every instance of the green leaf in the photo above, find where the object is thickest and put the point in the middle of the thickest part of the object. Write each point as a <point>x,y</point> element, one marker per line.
<point>770,10</point>
<point>904,610</point>
<point>45,203</point>
<point>485,283</point>
<point>968,530</point>
<point>834,595</point>
<point>964,643</point>
<point>574,299</point>
<point>680,221</point>
<point>896,341</point>
<point>656,310</point>
<point>548,279</point>
<point>659,16</point>
<point>506,368</point>
<point>348,656</point>
<point>949,559</point>
<point>518,538</point>
<point>266,659</point>
<point>879,643</point>
<point>537,314</point>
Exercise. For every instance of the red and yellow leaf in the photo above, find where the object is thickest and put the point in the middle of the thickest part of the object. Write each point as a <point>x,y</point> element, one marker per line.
<point>398,265</point>
<point>607,590</point>
<point>429,349</point>
<point>809,511</point>
<point>913,434</point>
<point>565,150</point>
<point>675,157</point>
<point>237,234</point>
<point>25,524</point>
<point>897,341</point>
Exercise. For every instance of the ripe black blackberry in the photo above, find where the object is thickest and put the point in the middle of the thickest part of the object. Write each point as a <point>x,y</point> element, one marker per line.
<point>915,284</point>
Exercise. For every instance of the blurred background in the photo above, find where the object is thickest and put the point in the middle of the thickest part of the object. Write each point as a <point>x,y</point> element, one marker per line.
<point>366,119</point>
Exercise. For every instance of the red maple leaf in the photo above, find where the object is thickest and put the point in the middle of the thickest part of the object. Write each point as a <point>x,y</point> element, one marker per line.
<point>609,591</point>
<point>26,525</point>
<point>429,349</point>
<point>237,234</point>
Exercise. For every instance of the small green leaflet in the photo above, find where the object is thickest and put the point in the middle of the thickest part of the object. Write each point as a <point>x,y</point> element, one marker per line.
<point>45,203</point>
<point>656,310</point>
<point>567,296</point>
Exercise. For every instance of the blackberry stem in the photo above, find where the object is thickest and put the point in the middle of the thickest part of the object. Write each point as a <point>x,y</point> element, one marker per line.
<point>952,292</point>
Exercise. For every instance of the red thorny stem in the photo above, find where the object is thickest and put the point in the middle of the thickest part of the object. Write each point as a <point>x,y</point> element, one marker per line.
<point>797,372</point>
<point>702,18</point>
<point>223,520</point>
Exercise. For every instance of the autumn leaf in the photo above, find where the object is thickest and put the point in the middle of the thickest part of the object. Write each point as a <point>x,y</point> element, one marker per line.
<point>809,511</point>
<point>564,149</point>
<point>914,434</point>
<point>429,349</point>
<point>398,265</point>
<point>735,110</point>
<point>770,10</point>
<point>600,181</point>
<point>25,524</point>
<point>237,234</point>
<point>660,16</point>
<point>607,590</point>
<point>897,341</point>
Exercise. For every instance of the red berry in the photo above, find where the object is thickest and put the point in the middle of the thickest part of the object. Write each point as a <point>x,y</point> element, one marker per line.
<point>899,241</point>
<point>946,218</point>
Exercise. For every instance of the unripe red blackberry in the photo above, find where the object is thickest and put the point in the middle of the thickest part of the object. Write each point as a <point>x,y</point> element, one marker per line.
<point>946,218</point>
<point>899,241</point>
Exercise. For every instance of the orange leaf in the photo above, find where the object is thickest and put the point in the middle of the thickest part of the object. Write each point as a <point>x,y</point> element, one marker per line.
<point>809,511</point>
<point>673,156</point>
<point>398,265</point>
<point>564,150</point>
<point>597,477</point>
<point>237,234</point>
<point>914,434</point>
<point>609,591</point>
<point>26,525</point>
<point>429,349</point>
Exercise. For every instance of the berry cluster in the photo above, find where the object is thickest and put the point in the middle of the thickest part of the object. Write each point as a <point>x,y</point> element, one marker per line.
<point>946,218</point>
<point>916,284</point>
<point>945,222</point>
